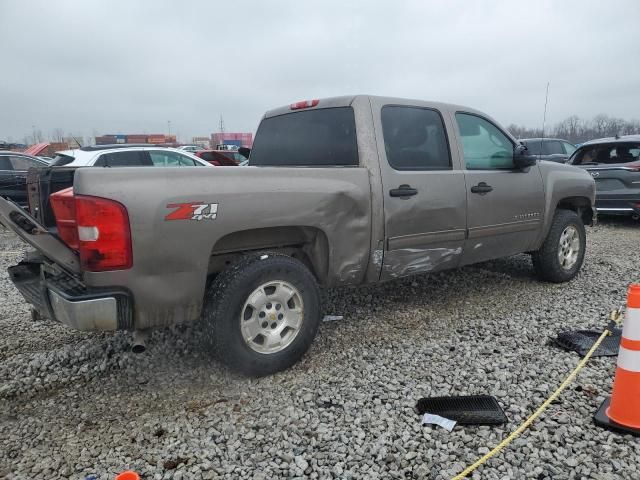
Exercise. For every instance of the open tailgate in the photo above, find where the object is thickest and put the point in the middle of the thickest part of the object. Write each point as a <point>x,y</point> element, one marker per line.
<point>27,228</point>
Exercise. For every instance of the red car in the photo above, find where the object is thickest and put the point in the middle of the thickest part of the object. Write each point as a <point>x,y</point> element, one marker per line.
<point>221,158</point>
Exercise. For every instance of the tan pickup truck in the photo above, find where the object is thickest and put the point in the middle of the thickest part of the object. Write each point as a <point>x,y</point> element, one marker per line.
<point>339,191</point>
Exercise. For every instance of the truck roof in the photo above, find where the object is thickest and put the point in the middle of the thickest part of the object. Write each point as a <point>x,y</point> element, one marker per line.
<point>619,139</point>
<point>346,100</point>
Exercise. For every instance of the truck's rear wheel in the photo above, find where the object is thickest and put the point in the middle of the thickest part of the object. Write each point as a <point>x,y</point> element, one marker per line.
<point>560,257</point>
<point>262,313</point>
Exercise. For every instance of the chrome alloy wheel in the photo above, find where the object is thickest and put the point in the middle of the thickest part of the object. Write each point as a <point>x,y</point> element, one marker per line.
<point>569,247</point>
<point>272,317</point>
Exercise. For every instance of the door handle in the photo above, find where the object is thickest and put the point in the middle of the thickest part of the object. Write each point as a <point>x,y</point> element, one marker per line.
<point>481,188</point>
<point>403,191</point>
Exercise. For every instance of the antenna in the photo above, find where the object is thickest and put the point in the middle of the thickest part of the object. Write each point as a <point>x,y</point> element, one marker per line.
<point>544,118</point>
<point>221,124</point>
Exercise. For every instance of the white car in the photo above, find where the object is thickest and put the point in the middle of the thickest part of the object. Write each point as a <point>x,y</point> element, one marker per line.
<point>127,156</point>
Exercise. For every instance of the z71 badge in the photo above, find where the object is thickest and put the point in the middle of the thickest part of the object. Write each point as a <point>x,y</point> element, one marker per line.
<point>193,211</point>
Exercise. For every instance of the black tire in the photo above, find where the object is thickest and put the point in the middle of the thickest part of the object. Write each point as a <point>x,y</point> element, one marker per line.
<point>224,302</point>
<point>546,262</point>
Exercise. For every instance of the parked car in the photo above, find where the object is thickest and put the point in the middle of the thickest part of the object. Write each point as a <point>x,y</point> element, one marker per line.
<point>552,149</point>
<point>340,191</point>
<point>13,175</point>
<point>221,158</point>
<point>614,163</point>
<point>124,155</point>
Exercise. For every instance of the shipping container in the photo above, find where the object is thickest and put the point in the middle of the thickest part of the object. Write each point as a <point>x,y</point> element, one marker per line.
<point>105,140</point>
<point>155,139</point>
<point>136,138</point>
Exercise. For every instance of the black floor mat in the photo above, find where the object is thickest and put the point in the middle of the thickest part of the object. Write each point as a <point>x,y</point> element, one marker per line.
<point>466,410</point>
<point>582,340</point>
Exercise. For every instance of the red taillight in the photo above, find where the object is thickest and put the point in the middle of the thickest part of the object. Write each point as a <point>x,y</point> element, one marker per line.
<point>304,104</point>
<point>97,227</point>
<point>63,204</point>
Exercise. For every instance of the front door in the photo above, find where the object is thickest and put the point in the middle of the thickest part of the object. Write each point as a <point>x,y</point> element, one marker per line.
<point>423,191</point>
<point>505,205</point>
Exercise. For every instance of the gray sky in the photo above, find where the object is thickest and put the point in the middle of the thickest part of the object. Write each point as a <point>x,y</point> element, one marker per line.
<point>130,66</point>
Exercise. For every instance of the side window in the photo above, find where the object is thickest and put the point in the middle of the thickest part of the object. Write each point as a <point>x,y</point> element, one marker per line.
<point>23,164</point>
<point>162,158</point>
<point>553,147</point>
<point>568,148</point>
<point>485,146</point>
<point>123,159</point>
<point>414,138</point>
<point>5,163</point>
<point>533,147</point>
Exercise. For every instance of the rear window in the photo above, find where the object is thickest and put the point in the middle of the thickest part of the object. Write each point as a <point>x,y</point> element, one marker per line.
<point>325,137</point>
<point>60,160</point>
<point>607,153</point>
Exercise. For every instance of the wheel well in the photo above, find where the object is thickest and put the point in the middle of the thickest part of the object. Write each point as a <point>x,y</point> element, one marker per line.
<point>580,205</point>
<point>307,244</point>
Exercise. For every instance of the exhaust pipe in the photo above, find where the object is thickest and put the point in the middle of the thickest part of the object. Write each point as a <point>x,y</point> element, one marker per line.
<point>139,341</point>
<point>635,216</point>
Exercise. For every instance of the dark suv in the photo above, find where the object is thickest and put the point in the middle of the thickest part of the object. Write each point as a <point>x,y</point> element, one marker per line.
<point>614,163</point>
<point>552,149</point>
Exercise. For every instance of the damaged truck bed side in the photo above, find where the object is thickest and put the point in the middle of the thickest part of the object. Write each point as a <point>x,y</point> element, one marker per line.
<point>340,191</point>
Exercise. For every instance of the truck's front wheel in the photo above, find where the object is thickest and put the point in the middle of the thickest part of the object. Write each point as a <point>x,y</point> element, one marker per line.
<point>561,255</point>
<point>262,313</point>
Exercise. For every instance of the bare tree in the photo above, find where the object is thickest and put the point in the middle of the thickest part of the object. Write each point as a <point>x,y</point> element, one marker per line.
<point>57,135</point>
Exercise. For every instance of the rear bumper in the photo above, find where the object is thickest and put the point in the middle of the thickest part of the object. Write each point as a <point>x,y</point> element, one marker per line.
<point>618,204</point>
<point>59,296</point>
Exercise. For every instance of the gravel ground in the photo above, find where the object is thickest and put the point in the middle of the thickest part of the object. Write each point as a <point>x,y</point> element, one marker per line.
<point>73,404</point>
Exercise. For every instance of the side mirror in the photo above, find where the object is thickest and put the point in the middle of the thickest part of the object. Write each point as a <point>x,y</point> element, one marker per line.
<point>521,157</point>
<point>244,151</point>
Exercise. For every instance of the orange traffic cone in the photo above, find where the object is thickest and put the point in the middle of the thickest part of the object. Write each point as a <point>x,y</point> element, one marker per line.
<point>128,475</point>
<point>621,412</point>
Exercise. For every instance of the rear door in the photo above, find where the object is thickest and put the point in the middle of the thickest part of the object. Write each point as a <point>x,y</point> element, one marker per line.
<point>505,205</point>
<point>423,190</point>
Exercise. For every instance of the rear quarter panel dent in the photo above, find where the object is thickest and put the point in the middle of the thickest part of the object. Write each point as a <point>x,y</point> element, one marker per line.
<point>171,257</point>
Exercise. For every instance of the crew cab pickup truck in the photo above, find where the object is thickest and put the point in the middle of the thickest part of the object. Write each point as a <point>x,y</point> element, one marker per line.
<point>339,191</point>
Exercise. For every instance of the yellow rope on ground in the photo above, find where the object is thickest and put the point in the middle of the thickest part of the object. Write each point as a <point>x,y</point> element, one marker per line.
<point>541,409</point>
